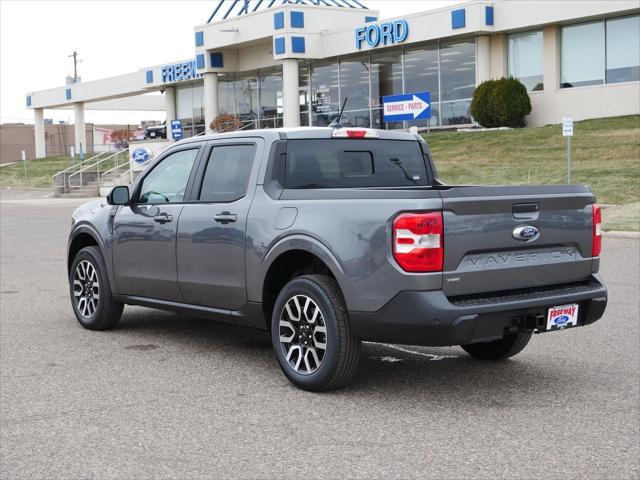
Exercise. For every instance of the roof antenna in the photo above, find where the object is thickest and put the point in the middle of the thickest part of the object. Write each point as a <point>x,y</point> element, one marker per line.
<point>336,122</point>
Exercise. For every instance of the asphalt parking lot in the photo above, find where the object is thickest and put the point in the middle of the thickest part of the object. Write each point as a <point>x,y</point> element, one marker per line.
<point>163,396</point>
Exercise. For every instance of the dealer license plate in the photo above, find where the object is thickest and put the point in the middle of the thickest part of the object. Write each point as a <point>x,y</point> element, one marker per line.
<point>562,317</point>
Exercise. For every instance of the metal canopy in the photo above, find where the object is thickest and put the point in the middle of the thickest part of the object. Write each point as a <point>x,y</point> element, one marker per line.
<point>236,8</point>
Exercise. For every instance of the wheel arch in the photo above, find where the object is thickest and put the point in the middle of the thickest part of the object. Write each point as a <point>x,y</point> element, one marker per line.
<point>83,236</point>
<point>292,257</point>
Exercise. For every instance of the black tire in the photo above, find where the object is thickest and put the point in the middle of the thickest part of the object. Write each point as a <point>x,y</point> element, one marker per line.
<point>342,348</point>
<point>107,312</point>
<point>510,345</point>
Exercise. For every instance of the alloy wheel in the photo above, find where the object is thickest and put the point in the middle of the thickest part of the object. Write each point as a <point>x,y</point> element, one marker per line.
<point>86,288</point>
<point>303,334</point>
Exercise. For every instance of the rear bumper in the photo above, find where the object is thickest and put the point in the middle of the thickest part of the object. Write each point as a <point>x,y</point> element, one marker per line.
<point>430,318</point>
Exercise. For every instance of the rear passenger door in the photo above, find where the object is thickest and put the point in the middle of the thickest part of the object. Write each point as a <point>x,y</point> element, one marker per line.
<point>211,233</point>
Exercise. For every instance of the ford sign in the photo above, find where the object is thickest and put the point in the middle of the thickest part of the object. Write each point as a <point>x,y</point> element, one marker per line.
<point>561,320</point>
<point>141,155</point>
<point>526,233</point>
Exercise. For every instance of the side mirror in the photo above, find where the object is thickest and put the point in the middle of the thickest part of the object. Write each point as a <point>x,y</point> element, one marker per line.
<point>118,195</point>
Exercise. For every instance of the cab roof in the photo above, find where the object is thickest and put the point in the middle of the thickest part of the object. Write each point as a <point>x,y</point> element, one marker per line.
<point>301,133</point>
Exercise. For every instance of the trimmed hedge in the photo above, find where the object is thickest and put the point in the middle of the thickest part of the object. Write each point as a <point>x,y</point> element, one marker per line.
<point>501,103</point>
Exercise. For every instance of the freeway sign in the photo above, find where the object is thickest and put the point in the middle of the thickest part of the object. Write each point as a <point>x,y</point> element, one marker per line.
<point>410,106</point>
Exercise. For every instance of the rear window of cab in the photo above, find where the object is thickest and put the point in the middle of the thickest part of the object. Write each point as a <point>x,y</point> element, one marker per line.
<point>353,163</point>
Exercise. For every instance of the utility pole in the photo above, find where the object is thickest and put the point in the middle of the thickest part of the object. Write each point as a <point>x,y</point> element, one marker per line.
<point>75,66</point>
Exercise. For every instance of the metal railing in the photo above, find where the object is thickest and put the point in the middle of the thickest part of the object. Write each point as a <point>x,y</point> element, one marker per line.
<point>64,175</point>
<point>96,165</point>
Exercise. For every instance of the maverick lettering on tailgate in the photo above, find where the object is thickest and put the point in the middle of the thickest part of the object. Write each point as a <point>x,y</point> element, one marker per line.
<point>501,259</point>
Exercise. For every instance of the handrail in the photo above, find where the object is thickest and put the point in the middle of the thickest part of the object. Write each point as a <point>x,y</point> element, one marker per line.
<point>79,172</point>
<point>113,169</point>
<point>81,164</point>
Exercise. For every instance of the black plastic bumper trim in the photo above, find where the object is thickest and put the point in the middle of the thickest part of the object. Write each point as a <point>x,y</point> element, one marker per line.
<point>430,318</point>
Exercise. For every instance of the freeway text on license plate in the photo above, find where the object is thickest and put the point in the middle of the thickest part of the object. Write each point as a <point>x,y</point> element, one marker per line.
<point>562,316</point>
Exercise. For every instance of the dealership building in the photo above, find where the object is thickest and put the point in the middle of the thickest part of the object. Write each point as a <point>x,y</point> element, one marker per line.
<point>273,63</point>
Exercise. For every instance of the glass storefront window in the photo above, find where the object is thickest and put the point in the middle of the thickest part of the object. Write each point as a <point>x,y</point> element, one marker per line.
<point>386,79</point>
<point>421,75</point>
<point>198,108</point>
<point>354,88</point>
<point>457,70</point>
<point>226,95</point>
<point>303,91</point>
<point>247,101</point>
<point>457,81</point>
<point>190,108</point>
<point>386,75</point>
<point>623,49</point>
<point>526,59</point>
<point>270,99</point>
<point>184,101</point>
<point>582,55</point>
<point>325,95</point>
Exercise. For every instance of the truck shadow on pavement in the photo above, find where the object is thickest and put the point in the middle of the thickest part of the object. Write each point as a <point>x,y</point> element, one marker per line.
<point>434,373</point>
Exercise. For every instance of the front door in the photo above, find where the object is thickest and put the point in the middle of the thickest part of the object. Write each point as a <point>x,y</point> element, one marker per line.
<point>145,232</point>
<point>211,233</point>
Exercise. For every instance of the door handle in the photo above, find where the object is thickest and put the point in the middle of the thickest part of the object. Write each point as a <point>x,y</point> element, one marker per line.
<point>225,217</point>
<point>163,218</point>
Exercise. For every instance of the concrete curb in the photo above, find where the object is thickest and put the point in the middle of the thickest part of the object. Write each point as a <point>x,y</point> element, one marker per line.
<point>616,234</point>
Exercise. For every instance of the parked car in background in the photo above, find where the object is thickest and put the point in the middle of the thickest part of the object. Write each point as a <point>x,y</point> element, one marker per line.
<point>155,131</point>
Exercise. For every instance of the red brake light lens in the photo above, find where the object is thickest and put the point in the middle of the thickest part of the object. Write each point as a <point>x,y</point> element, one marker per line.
<point>418,241</point>
<point>597,231</point>
<point>356,133</point>
<point>349,132</point>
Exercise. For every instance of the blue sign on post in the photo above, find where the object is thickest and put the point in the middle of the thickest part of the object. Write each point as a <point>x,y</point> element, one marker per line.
<point>176,129</point>
<point>410,106</point>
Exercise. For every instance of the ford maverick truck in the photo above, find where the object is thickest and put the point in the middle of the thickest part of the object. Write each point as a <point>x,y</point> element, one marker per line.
<point>326,237</point>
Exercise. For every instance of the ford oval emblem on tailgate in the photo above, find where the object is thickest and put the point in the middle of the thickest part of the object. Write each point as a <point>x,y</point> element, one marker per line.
<point>526,233</point>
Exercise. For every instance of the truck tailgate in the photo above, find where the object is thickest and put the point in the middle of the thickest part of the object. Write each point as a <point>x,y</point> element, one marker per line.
<point>482,253</point>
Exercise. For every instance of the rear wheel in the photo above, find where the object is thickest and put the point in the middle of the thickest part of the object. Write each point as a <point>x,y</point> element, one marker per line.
<point>510,345</point>
<point>90,292</point>
<point>311,335</point>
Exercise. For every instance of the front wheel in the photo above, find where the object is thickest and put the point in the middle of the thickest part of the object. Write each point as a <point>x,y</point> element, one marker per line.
<point>510,345</point>
<point>311,335</point>
<point>90,292</point>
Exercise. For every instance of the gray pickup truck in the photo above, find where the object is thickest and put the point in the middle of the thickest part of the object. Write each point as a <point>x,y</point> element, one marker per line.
<point>327,237</point>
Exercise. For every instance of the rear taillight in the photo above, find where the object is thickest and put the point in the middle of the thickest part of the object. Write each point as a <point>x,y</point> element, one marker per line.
<point>418,241</point>
<point>597,231</point>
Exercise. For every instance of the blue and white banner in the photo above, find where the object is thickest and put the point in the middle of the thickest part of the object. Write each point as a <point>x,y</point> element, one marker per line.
<point>409,106</point>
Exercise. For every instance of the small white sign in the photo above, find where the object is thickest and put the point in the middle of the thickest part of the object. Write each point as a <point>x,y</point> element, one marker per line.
<point>72,151</point>
<point>24,155</point>
<point>567,127</point>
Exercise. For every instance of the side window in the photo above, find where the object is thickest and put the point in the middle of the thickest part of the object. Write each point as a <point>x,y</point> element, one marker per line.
<point>227,173</point>
<point>167,182</point>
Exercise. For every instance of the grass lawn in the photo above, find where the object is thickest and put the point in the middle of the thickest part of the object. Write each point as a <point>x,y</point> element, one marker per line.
<point>606,155</point>
<point>39,172</point>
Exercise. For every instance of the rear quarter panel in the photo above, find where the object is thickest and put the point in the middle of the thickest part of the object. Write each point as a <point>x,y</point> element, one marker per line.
<point>350,229</point>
